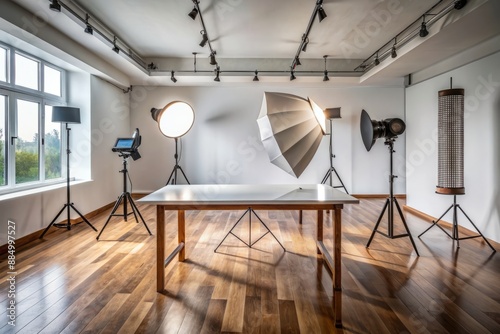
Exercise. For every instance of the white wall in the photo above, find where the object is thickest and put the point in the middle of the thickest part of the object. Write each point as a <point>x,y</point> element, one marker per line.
<point>224,144</point>
<point>481,81</point>
<point>105,111</point>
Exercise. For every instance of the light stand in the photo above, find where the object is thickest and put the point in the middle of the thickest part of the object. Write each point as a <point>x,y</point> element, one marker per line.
<point>454,230</point>
<point>173,174</point>
<point>328,175</point>
<point>389,204</point>
<point>125,196</point>
<point>249,244</point>
<point>66,115</point>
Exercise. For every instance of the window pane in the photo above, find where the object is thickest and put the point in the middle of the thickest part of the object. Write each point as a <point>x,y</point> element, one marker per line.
<point>3,176</point>
<point>52,81</point>
<point>52,147</point>
<point>26,72</point>
<point>27,156</point>
<point>3,64</point>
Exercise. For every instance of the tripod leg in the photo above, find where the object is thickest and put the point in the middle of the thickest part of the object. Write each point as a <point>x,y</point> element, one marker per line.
<point>327,175</point>
<point>185,177</point>
<point>435,222</point>
<point>486,240</point>
<point>405,225</point>
<point>53,221</point>
<point>83,217</point>
<point>170,177</point>
<point>128,198</point>
<point>342,183</point>
<point>117,204</point>
<point>135,208</point>
<point>378,222</point>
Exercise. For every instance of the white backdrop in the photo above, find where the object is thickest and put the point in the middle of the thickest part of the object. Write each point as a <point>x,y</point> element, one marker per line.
<point>224,144</point>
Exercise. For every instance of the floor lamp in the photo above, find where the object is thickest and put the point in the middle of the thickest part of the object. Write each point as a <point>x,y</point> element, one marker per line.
<point>62,114</point>
<point>330,114</point>
<point>174,121</point>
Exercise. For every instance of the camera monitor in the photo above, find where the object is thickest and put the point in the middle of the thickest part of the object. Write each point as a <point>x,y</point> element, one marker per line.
<point>129,146</point>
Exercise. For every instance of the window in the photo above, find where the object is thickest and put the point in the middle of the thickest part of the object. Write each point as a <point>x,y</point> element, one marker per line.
<point>3,121</point>
<point>52,146</point>
<point>26,74</point>
<point>30,143</point>
<point>27,142</point>
<point>51,81</point>
<point>3,64</point>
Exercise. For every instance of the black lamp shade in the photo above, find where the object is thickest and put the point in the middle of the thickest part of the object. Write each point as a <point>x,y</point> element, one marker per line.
<point>331,113</point>
<point>62,114</point>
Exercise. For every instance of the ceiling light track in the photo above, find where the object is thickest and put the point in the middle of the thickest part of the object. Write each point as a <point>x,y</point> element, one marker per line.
<point>416,28</point>
<point>317,11</point>
<point>196,12</point>
<point>105,35</point>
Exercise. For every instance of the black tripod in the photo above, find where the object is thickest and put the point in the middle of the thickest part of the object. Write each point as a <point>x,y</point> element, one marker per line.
<point>68,204</point>
<point>249,211</point>
<point>389,204</point>
<point>125,196</point>
<point>454,230</point>
<point>173,175</point>
<point>331,170</point>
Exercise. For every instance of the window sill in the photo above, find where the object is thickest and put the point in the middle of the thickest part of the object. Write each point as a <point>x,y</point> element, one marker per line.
<point>33,191</point>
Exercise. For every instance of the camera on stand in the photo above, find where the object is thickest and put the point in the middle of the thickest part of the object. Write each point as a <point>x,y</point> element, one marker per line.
<point>128,146</point>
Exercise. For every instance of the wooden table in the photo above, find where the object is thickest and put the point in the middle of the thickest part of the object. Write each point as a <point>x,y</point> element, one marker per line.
<point>258,197</point>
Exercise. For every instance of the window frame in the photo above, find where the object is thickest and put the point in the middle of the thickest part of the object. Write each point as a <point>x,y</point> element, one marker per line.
<point>15,92</point>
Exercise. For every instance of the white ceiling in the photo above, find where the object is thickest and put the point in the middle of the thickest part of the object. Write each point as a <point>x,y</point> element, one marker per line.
<point>263,34</point>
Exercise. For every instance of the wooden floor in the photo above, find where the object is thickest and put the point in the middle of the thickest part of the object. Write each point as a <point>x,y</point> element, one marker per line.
<point>72,283</point>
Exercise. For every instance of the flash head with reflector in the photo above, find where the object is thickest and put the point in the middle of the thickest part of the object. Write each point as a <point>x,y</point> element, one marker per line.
<point>372,130</point>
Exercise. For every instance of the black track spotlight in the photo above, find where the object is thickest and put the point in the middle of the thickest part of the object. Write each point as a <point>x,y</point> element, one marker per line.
<point>297,61</point>
<point>304,46</point>
<point>394,54</point>
<point>115,47</point>
<point>321,14</point>
<point>217,72</point>
<point>172,77</point>
<point>213,61</point>
<point>193,13</point>
<point>376,61</point>
<point>256,78</point>
<point>325,76</point>
<point>459,4</point>
<point>204,38</point>
<point>55,6</point>
<point>88,28</point>
<point>423,29</point>
<point>292,75</point>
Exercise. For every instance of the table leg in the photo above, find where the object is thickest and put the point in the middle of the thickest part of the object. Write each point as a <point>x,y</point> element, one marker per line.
<point>319,226</point>
<point>160,248</point>
<point>181,233</point>
<point>337,281</point>
<point>300,217</point>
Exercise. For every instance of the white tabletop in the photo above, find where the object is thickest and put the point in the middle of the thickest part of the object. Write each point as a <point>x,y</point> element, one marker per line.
<point>247,194</point>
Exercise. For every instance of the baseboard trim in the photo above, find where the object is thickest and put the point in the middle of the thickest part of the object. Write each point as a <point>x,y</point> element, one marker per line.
<point>368,196</point>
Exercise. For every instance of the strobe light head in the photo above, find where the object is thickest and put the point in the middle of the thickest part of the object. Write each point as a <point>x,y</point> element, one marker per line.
<point>175,119</point>
<point>372,130</point>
